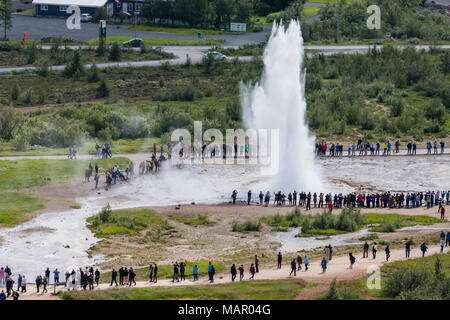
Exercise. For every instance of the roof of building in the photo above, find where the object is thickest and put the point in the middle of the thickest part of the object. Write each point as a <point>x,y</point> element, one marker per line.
<point>80,3</point>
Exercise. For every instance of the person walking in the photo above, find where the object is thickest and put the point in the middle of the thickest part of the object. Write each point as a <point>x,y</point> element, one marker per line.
<point>233,272</point>
<point>175,272</point>
<point>241,272</point>
<point>299,262</point>
<point>352,260</point>
<point>44,285</point>
<point>442,243</point>
<point>252,272</point>
<point>423,248</point>
<point>388,252</point>
<point>442,209</point>
<point>19,282</point>
<point>279,260</point>
<point>324,265</point>
<point>293,268</point>
<point>306,263</point>
<point>374,250</point>
<point>234,196</point>
<point>365,250</point>
<point>447,239</point>
<point>113,277</point>
<point>38,283</point>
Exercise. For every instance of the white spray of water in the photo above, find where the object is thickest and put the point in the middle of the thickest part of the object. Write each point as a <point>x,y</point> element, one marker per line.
<point>278,102</point>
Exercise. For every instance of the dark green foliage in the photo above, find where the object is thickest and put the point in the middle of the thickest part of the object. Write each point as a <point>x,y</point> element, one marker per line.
<point>103,89</point>
<point>115,53</point>
<point>75,66</point>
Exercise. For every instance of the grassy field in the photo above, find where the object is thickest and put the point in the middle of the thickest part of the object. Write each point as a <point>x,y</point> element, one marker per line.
<point>357,289</point>
<point>245,290</point>
<point>123,222</point>
<point>16,175</point>
<point>120,146</point>
<point>160,41</point>
<point>392,222</point>
<point>16,206</point>
<point>199,220</point>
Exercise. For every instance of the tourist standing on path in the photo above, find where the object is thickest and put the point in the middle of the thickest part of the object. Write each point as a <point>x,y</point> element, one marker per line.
<point>423,248</point>
<point>19,282</point>
<point>97,277</point>
<point>388,252</point>
<point>256,263</point>
<point>211,271</point>
<point>56,275</point>
<point>233,272</point>
<point>365,250</point>
<point>155,273</point>
<point>442,212</point>
<point>113,277</point>
<point>38,283</point>
<point>447,239</point>
<point>241,272</point>
<point>293,268</point>
<point>44,285</point>
<point>195,272</point>
<point>47,275</point>
<point>182,270</point>
<point>374,250</point>
<point>24,284</point>
<point>252,272</point>
<point>324,264</point>
<point>176,270</point>
<point>306,263</point>
<point>299,262</point>
<point>249,197</point>
<point>234,196</point>
<point>279,260</point>
<point>407,248</point>
<point>132,276</point>
<point>330,251</point>
<point>150,273</point>
<point>352,260</point>
<point>442,243</point>
<point>261,198</point>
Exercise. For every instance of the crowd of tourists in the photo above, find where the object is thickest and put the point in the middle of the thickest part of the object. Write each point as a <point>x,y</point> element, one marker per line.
<point>104,151</point>
<point>88,279</point>
<point>352,200</point>
<point>364,148</point>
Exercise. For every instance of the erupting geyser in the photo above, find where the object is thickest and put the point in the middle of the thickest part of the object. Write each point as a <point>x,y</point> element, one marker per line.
<point>278,102</point>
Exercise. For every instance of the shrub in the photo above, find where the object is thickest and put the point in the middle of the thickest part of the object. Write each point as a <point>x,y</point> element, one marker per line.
<point>105,214</point>
<point>115,53</point>
<point>161,82</point>
<point>247,226</point>
<point>15,91</point>
<point>93,74</point>
<point>103,89</point>
<point>76,65</point>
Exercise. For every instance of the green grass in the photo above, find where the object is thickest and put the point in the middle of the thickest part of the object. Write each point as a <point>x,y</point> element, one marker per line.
<point>245,290</point>
<point>16,175</point>
<point>359,286</point>
<point>16,206</point>
<point>199,220</point>
<point>160,41</point>
<point>391,222</point>
<point>175,29</point>
<point>127,221</point>
<point>320,232</point>
<point>310,11</point>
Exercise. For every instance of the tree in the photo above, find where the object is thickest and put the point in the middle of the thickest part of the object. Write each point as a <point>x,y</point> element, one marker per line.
<point>114,54</point>
<point>75,67</point>
<point>5,16</point>
<point>244,11</point>
<point>224,11</point>
<point>103,89</point>
<point>9,121</point>
<point>99,14</point>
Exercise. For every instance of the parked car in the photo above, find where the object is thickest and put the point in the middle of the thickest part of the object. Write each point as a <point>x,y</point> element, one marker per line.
<point>86,17</point>
<point>134,43</point>
<point>217,55</point>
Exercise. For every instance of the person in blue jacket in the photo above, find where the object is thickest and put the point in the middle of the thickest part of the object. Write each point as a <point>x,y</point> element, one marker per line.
<point>324,264</point>
<point>195,272</point>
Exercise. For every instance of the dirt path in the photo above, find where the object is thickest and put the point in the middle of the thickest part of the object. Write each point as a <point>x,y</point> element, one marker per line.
<point>338,268</point>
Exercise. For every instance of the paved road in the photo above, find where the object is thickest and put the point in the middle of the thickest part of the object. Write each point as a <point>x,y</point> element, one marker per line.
<point>38,27</point>
<point>196,53</point>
